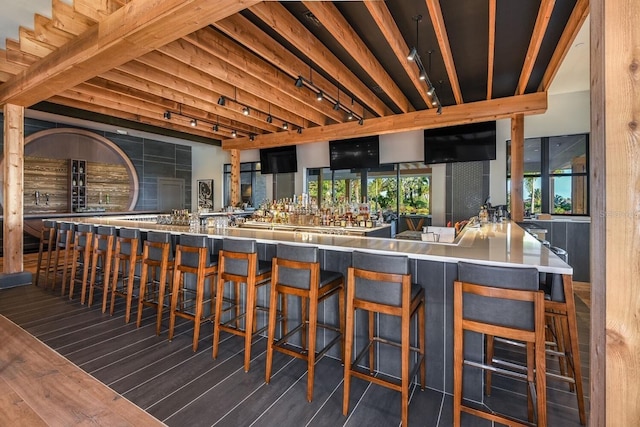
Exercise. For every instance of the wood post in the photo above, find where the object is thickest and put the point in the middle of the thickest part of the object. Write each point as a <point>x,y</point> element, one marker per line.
<point>615,212</point>
<point>517,167</point>
<point>235,177</point>
<point>13,188</point>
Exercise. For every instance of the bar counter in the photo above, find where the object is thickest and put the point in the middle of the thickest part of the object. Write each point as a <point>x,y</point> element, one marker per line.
<point>433,266</point>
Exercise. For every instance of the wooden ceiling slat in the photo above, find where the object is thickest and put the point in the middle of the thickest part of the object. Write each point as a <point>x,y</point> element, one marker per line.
<point>251,37</point>
<point>95,10</point>
<point>472,112</point>
<point>15,55</point>
<point>67,20</point>
<point>30,44</point>
<point>435,12</point>
<point>248,64</point>
<point>539,30</point>
<point>383,18</point>
<point>578,16</point>
<point>492,46</point>
<point>46,31</point>
<point>333,21</point>
<point>128,115</point>
<point>187,53</point>
<point>131,31</point>
<point>287,26</point>
<point>7,66</point>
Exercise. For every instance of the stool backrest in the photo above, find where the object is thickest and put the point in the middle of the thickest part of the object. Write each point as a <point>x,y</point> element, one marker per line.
<point>105,231</point>
<point>296,277</point>
<point>191,259</point>
<point>125,245</point>
<point>158,237</point>
<point>379,291</point>
<point>82,232</point>
<point>518,314</point>
<point>63,232</point>
<point>239,267</point>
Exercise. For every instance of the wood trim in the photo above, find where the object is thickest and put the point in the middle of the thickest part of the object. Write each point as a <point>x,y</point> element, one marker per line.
<point>492,46</point>
<point>12,203</point>
<point>539,31</point>
<point>235,177</point>
<point>599,386</point>
<point>615,173</point>
<point>341,30</point>
<point>481,111</point>
<point>286,25</point>
<point>135,29</point>
<point>435,12</point>
<point>577,18</point>
<point>385,22</point>
<point>517,167</point>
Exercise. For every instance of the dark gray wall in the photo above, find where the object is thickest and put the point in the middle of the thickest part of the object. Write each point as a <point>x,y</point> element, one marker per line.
<point>467,186</point>
<point>152,159</point>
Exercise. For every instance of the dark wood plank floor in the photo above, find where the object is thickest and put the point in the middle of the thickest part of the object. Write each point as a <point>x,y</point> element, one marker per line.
<point>180,387</point>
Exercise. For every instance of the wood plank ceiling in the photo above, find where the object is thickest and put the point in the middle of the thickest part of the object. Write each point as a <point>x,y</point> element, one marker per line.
<point>168,64</point>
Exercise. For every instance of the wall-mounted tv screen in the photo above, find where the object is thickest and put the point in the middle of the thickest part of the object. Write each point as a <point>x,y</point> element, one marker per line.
<point>355,153</point>
<point>278,160</point>
<point>462,143</point>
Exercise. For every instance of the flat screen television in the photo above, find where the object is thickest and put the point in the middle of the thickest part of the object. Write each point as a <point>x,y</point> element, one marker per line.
<point>355,153</point>
<point>462,143</point>
<point>278,160</point>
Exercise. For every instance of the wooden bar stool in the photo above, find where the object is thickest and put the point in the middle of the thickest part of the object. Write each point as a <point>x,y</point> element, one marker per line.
<point>102,258</point>
<point>382,284</point>
<point>157,266</point>
<point>64,247</point>
<point>193,258</point>
<point>238,263</point>
<point>296,272</point>
<point>126,257</point>
<point>81,258</point>
<point>500,302</point>
<point>45,248</point>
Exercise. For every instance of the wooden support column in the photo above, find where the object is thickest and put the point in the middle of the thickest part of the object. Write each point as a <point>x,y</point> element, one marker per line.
<point>235,177</point>
<point>13,188</point>
<point>517,167</point>
<point>615,212</point>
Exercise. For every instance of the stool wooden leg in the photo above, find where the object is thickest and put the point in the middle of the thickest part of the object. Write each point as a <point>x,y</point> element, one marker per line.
<point>405,351</point>
<point>249,320</point>
<point>311,341</point>
<point>130,285</point>
<point>458,351</point>
<point>198,311</point>
<point>271,334</point>
<point>421,344</point>
<point>92,282</point>
<point>489,361</point>
<point>218,315</point>
<point>144,274</point>
<point>114,281</point>
<point>65,268</point>
<point>162,286</point>
<point>573,339</point>
<point>372,353</point>
<point>348,346</point>
<point>75,256</point>
<point>341,320</point>
<point>105,282</point>
<point>177,277</point>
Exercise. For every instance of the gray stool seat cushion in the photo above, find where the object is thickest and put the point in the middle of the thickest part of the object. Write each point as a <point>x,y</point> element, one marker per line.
<point>388,293</point>
<point>158,237</point>
<point>195,241</point>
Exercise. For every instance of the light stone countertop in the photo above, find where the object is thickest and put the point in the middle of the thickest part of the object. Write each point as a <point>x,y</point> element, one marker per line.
<point>503,244</point>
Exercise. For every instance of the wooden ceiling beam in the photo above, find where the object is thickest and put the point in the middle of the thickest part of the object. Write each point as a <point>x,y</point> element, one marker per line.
<point>128,115</point>
<point>67,20</point>
<point>95,10</point>
<point>253,38</point>
<point>333,21</point>
<point>287,26</point>
<point>492,47</point>
<point>578,16</point>
<point>539,30</point>
<point>247,63</point>
<point>481,111</point>
<point>187,53</point>
<point>435,12</point>
<point>383,18</point>
<point>135,29</point>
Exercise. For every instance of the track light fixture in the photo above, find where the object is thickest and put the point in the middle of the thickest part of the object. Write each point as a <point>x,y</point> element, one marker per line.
<point>167,115</point>
<point>350,115</point>
<point>252,137</point>
<point>269,119</point>
<point>194,123</point>
<point>299,130</point>
<point>285,125</point>
<point>300,81</point>
<point>414,56</point>
<point>361,121</point>
<point>234,133</point>
<point>245,111</point>
<point>319,96</point>
<point>222,100</point>
<point>215,127</point>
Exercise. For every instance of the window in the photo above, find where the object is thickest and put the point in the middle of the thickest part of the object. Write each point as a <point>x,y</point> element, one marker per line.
<point>253,187</point>
<point>556,179</point>
<point>391,188</point>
